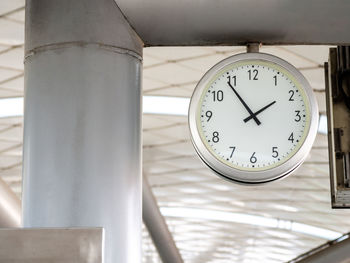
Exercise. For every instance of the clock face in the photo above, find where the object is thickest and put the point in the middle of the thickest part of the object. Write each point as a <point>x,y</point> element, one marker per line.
<point>252,117</point>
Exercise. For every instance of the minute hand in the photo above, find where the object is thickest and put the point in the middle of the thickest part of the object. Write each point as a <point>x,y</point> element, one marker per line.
<point>258,112</point>
<point>252,115</point>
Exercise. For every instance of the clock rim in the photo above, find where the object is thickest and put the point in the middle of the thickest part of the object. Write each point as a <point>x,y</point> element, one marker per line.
<point>246,176</point>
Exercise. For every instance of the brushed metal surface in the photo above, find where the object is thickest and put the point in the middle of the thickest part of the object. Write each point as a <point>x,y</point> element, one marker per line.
<point>82,123</point>
<point>81,158</point>
<point>208,22</point>
<point>80,245</point>
<point>52,22</point>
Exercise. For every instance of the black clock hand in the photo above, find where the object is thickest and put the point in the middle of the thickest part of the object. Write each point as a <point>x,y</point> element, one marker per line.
<point>258,112</point>
<point>252,115</point>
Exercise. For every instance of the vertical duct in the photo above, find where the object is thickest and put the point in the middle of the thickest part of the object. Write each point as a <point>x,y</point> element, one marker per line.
<point>82,122</point>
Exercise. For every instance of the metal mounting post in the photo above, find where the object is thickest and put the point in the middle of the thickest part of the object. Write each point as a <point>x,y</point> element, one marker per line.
<point>253,47</point>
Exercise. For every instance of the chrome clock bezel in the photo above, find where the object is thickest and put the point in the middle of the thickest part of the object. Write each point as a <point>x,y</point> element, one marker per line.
<point>244,176</point>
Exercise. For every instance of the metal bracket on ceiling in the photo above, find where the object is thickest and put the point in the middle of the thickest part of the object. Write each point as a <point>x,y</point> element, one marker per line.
<point>253,47</point>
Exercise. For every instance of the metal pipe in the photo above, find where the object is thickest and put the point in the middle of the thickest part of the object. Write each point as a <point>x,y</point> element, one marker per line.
<point>82,122</point>
<point>10,207</point>
<point>158,228</point>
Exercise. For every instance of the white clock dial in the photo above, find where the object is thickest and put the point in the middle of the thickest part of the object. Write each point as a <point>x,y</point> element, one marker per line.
<point>252,117</point>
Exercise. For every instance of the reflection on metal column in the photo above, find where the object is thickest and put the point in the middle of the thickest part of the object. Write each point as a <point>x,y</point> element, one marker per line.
<point>77,245</point>
<point>10,207</point>
<point>82,123</point>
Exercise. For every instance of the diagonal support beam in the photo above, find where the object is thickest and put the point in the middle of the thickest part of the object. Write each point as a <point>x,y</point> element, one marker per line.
<point>157,227</point>
<point>336,251</point>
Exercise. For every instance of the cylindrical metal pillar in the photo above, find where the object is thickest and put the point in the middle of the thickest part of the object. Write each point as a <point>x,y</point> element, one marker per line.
<point>82,122</point>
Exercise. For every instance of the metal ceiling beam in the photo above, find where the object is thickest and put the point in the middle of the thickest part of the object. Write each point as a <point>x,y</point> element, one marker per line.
<point>10,207</point>
<point>157,227</point>
<point>238,22</point>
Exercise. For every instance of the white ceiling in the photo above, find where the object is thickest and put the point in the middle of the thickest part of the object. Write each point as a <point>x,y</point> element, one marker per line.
<point>177,176</point>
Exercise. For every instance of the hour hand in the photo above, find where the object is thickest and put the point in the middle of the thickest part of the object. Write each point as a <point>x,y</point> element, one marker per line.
<point>259,111</point>
<point>252,115</point>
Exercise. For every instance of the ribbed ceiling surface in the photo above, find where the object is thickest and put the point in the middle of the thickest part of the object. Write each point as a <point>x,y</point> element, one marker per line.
<point>179,179</point>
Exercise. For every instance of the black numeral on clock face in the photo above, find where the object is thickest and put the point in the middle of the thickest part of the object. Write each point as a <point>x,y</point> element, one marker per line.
<point>253,159</point>
<point>291,138</point>
<point>297,116</point>
<point>215,138</point>
<point>253,75</point>
<point>208,114</point>
<point>291,92</point>
<point>274,152</point>
<point>275,78</point>
<point>234,80</point>
<point>233,150</point>
<point>218,95</point>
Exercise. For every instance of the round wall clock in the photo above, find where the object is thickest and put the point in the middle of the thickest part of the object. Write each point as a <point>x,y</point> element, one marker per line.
<point>253,118</point>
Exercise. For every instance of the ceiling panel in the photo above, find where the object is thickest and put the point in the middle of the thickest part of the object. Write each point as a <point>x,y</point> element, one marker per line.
<point>9,7</point>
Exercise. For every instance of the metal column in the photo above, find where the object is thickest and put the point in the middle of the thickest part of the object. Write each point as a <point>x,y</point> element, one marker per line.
<point>82,122</point>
